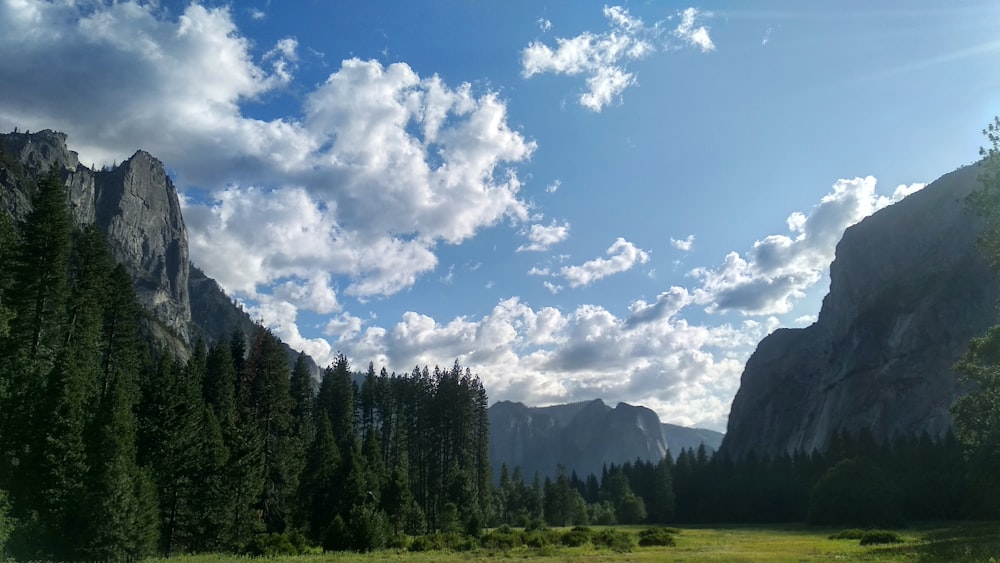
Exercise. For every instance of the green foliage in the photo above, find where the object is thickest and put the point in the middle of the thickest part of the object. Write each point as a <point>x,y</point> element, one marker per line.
<point>985,202</point>
<point>876,537</point>
<point>977,421</point>
<point>657,537</point>
<point>576,537</point>
<point>855,491</point>
<point>502,539</point>
<point>7,523</point>
<point>271,545</point>
<point>615,540</point>
<point>848,534</point>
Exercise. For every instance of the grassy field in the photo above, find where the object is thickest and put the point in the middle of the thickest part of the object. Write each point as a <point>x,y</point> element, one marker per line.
<point>966,542</point>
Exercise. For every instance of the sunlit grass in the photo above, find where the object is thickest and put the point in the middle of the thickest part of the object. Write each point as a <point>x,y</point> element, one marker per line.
<point>950,542</point>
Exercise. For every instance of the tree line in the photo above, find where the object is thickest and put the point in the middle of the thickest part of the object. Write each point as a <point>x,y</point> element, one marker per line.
<point>111,449</point>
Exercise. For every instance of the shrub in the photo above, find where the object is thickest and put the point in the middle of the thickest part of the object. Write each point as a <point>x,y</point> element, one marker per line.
<point>540,539</point>
<point>614,540</point>
<point>874,537</point>
<point>270,545</point>
<point>851,534</point>
<point>399,541</point>
<point>424,543</point>
<point>576,537</point>
<point>502,539</point>
<point>657,536</point>
<point>535,524</point>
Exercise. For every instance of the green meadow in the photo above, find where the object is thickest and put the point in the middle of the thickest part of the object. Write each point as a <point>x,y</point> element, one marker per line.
<point>944,542</point>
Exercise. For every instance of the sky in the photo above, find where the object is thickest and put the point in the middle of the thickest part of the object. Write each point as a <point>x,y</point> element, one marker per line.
<point>576,200</point>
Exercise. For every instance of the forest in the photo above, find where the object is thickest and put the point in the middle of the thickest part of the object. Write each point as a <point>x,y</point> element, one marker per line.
<point>113,450</point>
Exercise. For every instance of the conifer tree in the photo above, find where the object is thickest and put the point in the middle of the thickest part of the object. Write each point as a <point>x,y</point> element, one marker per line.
<point>319,489</point>
<point>271,404</point>
<point>124,515</point>
<point>37,297</point>
<point>8,247</point>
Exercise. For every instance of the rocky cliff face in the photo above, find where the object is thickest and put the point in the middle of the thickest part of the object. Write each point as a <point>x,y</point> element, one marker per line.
<point>136,205</point>
<point>908,290</point>
<point>583,437</point>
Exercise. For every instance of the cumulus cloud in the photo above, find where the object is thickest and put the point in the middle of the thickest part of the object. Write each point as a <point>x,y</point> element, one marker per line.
<point>542,238</point>
<point>543,355</point>
<point>778,269</point>
<point>379,167</point>
<point>603,57</point>
<point>684,245</point>
<point>623,257</point>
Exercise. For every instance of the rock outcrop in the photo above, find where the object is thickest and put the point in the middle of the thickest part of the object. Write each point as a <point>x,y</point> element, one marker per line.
<point>135,203</point>
<point>908,290</point>
<point>583,437</point>
<point>137,206</point>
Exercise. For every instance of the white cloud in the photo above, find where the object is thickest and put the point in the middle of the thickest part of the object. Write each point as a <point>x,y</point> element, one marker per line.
<point>684,245</point>
<point>778,269</point>
<point>382,167</point>
<point>536,271</point>
<point>695,36</point>
<point>553,288</point>
<point>553,187</point>
<point>603,57</point>
<point>624,256</point>
<point>544,24</point>
<point>257,14</point>
<point>542,238</point>
<point>687,373</point>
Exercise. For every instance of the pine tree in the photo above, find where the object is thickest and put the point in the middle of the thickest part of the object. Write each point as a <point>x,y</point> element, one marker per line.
<point>271,403</point>
<point>336,399</point>
<point>8,248</point>
<point>123,511</point>
<point>319,488</point>
<point>37,297</point>
<point>124,516</point>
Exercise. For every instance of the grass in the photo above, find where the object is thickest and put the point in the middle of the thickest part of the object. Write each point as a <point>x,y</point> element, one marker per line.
<point>947,542</point>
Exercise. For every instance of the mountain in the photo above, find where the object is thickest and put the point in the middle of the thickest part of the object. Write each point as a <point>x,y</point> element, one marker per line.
<point>908,290</point>
<point>136,205</point>
<point>583,437</point>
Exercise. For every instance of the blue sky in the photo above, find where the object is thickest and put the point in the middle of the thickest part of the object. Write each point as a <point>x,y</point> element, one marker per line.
<point>574,199</point>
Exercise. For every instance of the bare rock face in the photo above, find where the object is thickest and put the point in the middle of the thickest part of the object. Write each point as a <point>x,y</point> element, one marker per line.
<point>582,437</point>
<point>135,203</point>
<point>908,290</point>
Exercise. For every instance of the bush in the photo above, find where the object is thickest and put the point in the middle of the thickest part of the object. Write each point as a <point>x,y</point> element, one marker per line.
<point>535,524</point>
<point>874,537</point>
<point>539,539</point>
<point>851,534</point>
<point>657,536</point>
<point>614,540</point>
<point>502,539</point>
<point>576,537</point>
<point>424,543</point>
<point>399,541</point>
<point>443,540</point>
<point>270,545</point>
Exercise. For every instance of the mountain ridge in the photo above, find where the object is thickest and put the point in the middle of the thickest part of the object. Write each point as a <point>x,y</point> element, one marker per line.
<point>584,436</point>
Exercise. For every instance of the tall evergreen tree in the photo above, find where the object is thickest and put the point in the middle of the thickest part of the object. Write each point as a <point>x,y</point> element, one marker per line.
<point>268,376</point>
<point>37,296</point>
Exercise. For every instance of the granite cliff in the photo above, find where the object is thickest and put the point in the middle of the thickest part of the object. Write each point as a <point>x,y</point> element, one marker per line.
<point>908,290</point>
<point>583,437</point>
<point>136,205</point>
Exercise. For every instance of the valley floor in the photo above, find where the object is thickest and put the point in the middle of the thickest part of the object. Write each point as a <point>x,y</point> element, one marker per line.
<point>943,542</point>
